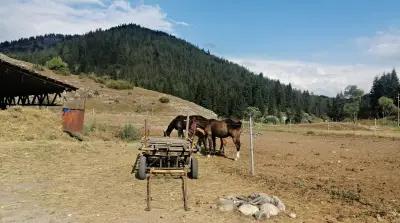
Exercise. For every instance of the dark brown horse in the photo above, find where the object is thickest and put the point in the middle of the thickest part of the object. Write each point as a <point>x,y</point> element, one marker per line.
<point>179,123</point>
<point>223,129</point>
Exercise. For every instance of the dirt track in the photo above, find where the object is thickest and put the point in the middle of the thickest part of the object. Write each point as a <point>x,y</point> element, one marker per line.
<point>320,178</point>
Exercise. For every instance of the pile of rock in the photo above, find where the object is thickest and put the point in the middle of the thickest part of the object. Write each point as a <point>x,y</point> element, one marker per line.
<point>259,205</point>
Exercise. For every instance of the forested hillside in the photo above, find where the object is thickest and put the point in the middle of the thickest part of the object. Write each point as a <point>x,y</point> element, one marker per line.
<point>161,62</point>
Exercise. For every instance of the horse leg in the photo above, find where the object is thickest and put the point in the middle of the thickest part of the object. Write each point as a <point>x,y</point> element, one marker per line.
<point>214,145</point>
<point>210,144</point>
<point>201,141</point>
<point>180,133</point>
<point>236,141</point>
<point>221,148</point>
<point>204,142</point>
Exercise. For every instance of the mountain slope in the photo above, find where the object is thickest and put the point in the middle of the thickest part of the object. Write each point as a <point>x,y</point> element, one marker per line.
<point>161,62</point>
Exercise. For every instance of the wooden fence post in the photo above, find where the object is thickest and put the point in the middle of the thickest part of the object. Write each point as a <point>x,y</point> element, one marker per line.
<point>187,126</point>
<point>251,147</point>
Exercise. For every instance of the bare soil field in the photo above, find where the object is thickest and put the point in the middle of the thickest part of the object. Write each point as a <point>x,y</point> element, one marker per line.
<point>320,178</point>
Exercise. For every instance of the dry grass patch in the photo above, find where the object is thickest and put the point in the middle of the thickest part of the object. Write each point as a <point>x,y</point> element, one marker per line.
<point>26,124</point>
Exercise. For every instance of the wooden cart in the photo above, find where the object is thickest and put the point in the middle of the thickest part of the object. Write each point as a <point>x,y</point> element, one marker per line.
<point>166,156</point>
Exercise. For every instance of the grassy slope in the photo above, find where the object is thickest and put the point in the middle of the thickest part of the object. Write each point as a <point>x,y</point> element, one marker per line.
<point>107,110</point>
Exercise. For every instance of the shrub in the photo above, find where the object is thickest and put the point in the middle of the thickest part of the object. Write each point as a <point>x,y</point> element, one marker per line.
<point>58,65</point>
<point>111,83</point>
<point>346,195</point>
<point>310,133</point>
<point>254,112</point>
<point>306,118</point>
<point>129,133</point>
<point>89,127</point>
<point>119,84</point>
<point>164,99</point>
<point>97,79</point>
<point>271,119</point>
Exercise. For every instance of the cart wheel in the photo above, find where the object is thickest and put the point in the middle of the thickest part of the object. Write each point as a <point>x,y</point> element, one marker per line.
<point>194,169</point>
<point>141,173</point>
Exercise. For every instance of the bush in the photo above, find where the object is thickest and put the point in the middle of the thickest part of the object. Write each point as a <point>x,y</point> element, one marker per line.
<point>254,112</point>
<point>129,133</point>
<point>58,65</point>
<point>271,119</point>
<point>306,118</point>
<point>310,133</point>
<point>118,84</point>
<point>111,83</point>
<point>164,99</point>
<point>89,127</point>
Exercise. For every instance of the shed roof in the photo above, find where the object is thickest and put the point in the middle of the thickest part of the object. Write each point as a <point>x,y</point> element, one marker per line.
<point>18,78</point>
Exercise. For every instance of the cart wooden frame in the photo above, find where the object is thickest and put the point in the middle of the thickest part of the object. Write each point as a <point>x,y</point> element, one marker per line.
<point>166,156</point>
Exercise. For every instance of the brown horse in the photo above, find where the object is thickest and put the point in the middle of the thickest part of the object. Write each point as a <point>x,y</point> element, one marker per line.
<point>179,123</point>
<point>223,129</point>
<point>202,138</point>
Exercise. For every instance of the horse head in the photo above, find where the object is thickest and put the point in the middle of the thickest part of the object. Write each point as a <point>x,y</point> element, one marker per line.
<point>166,134</point>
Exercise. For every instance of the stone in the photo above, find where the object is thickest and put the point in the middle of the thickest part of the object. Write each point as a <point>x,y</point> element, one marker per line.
<point>278,203</point>
<point>292,215</point>
<point>248,209</point>
<point>261,198</point>
<point>379,218</point>
<point>225,205</point>
<point>268,210</point>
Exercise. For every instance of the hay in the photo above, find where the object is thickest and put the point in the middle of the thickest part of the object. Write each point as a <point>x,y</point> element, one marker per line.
<point>26,124</point>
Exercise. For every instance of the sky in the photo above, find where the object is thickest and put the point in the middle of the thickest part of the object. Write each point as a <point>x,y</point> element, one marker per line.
<point>316,45</point>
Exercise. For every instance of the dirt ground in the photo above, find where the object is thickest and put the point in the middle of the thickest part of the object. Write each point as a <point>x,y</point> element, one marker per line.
<point>320,178</point>
<point>324,172</point>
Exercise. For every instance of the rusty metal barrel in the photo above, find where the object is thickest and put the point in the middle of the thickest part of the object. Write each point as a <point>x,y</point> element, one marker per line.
<point>73,120</point>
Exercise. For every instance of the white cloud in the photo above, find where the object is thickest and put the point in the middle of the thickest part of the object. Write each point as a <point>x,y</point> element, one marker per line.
<point>24,18</point>
<point>383,45</point>
<point>318,78</point>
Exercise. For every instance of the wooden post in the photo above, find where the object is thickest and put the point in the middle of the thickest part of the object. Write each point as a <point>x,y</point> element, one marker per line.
<point>375,127</point>
<point>184,191</point>
<point>145,130</point>
<point>148,197</point>
<point>251,147</point>
<point>187,126</point>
